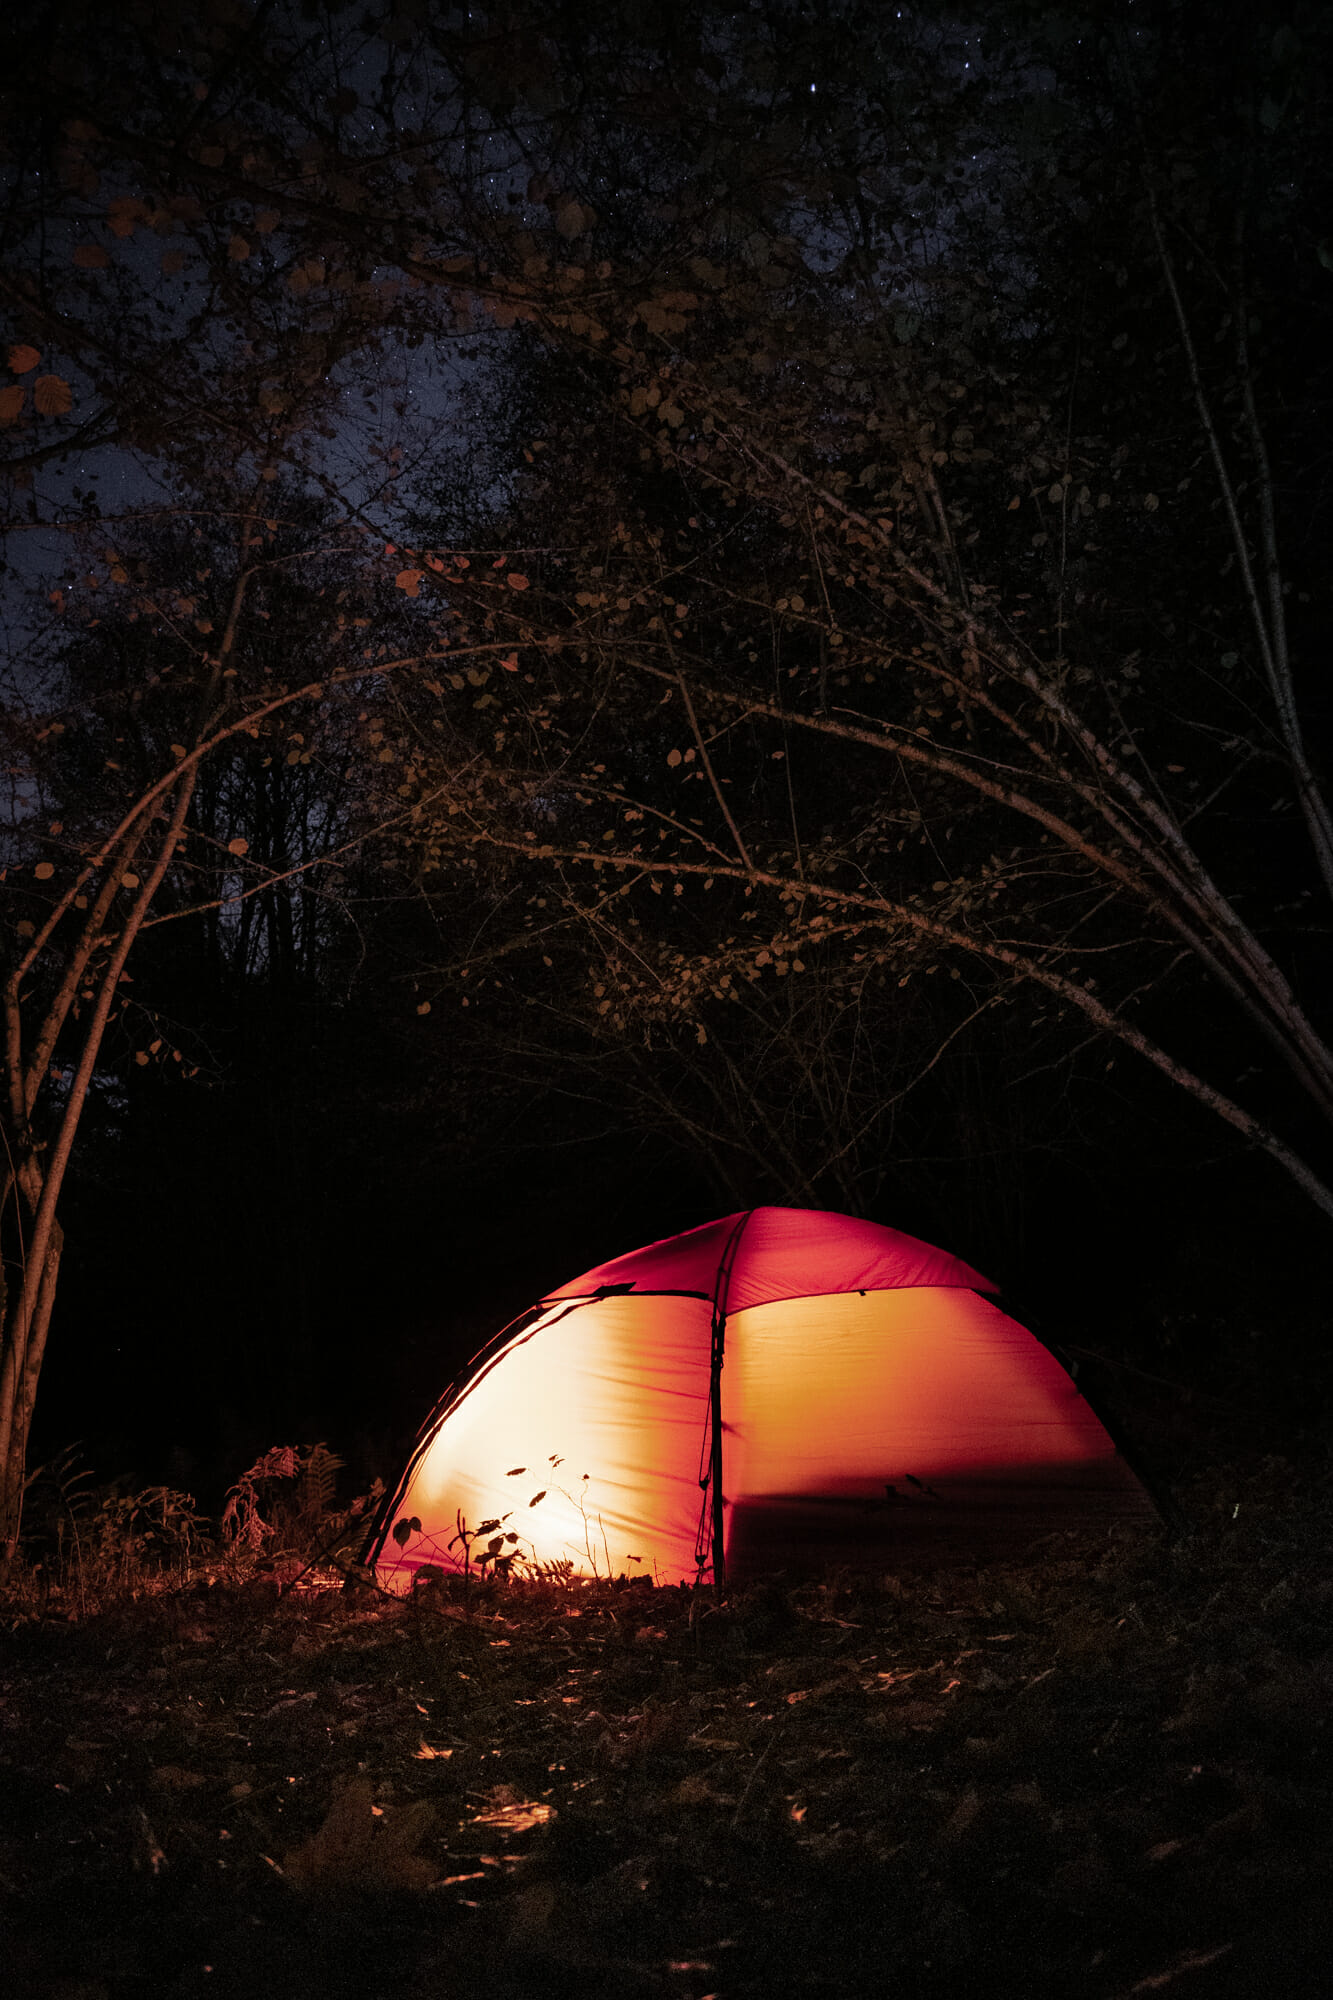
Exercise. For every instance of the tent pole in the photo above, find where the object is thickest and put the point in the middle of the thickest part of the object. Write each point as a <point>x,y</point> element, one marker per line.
<point>721,1299</point>
<point>719,1519</point>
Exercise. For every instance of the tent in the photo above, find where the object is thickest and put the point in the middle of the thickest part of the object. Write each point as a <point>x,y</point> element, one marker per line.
<point>780,1389</point>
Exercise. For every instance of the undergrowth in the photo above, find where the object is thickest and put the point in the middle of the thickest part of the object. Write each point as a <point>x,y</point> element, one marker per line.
<point>1104,1771</point>
<point>88,1546</point>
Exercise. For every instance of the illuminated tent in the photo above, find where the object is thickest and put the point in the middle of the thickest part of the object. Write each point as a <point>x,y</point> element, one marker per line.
<point>781,1389</point>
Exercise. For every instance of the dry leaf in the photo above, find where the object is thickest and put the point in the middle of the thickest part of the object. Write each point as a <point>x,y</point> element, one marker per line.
<point>11,403</point>
<point>238,846</point>
<point>174,1777</point>
<point>409,580</point>
<point>515,1815</point>
<point>357,1849</point>
<point>90,256</point>
<point>23,359</point>
<point>44,871</point>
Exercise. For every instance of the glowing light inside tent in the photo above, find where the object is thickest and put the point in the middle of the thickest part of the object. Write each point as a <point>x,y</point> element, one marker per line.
<point>850,1393</point>
<point>616,1389</point>
<point>861,1369</point>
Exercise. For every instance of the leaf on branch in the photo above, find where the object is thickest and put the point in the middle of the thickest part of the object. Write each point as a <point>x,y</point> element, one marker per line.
<point>267,219</point>
<point>409,580</point>
<point>51,395</point>
<point>238,846</point>
<point>44,871</point>
<point>571,219</point>
<point>238,249</point>
<point>11,403</point>
<point>122,214</point>
<point>91,257</point>
<point>423,1007</point>
<point>673,758</point>
<point>515,581</point>
<point>23,359</point>
<point>129,881</point>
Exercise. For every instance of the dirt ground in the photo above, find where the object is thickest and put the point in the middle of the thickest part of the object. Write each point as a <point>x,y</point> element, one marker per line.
<point>1105,1772</point>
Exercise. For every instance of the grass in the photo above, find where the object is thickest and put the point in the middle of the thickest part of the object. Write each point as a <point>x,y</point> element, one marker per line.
<point>1105,1772</point>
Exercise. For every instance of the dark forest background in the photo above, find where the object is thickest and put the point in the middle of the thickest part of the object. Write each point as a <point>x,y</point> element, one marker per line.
<point>630,422</point>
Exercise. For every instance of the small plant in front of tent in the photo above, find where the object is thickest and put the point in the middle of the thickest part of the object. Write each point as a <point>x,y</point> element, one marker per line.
<point>495,1557</point>
<point>282,1506</point>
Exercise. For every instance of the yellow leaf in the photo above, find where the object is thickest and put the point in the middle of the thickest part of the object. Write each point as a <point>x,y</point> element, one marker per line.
<point>51,395</point>
<point>11,403</point>
<point>23,359</point>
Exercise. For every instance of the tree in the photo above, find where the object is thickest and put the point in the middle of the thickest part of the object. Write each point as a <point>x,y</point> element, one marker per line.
<point>155,745</point>
<point>729,560</point>
<point>848,519</point>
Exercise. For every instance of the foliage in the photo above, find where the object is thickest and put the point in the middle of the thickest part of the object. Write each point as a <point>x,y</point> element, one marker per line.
<point>93,1544</point>
<point>89,1547</point>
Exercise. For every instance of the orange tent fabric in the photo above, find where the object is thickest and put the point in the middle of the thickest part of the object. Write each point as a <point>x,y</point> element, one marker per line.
<point>851,1388</point>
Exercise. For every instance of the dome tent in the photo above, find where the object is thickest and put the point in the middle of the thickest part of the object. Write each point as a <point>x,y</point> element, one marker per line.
<point>782,1388</point>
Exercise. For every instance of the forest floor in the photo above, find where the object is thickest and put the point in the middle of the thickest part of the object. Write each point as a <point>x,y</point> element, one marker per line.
<point>1106,1772</point>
